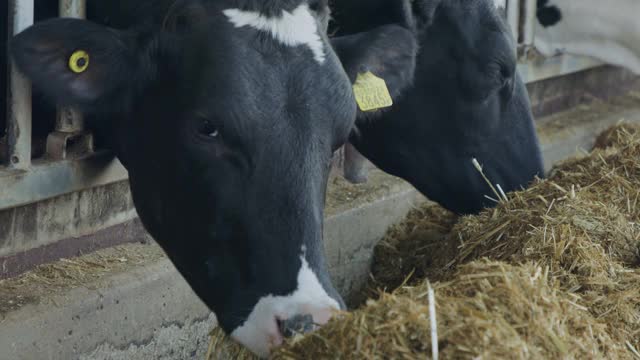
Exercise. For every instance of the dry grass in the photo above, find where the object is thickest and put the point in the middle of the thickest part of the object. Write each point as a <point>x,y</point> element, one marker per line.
<point>583,224</point>
<point>491,310</point>
<point>221,347</point>
<point>406,253</point>
<point>553,273</point>
<point>41,283</point>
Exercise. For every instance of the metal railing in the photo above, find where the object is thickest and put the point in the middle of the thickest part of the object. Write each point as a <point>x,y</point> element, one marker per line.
<point>521,15</point>
<point>58,172</point>
<point>69,122</point>
<point>20,14</point>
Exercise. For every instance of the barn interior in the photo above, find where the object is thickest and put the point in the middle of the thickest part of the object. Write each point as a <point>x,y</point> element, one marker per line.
<point>80,277</point>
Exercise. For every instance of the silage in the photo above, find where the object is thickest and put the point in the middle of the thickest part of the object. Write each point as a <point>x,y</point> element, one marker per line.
<point>552,273</point>
<point>583,223</point>
<point>406,253</point>
<point>490,310</point>
<point>222,347</point>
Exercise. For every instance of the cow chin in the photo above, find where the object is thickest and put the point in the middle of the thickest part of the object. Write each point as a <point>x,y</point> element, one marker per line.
<point>261,332</point>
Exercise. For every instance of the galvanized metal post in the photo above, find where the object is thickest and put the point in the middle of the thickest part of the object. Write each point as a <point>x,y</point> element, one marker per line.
<point>69,121</point>
<point>19,111</point>
<point>513,18</point>
<point>528,24</point>
<point>73,8</point>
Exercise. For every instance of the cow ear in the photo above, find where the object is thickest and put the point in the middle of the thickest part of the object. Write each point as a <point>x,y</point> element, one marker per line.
<point>82,64</point>
<point>387,52</point>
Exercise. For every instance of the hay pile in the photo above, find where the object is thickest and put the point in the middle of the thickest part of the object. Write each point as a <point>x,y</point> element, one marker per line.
<point>222,347</point>
<point>491,310</point>
<point>552,273</point>
<point>406,253</point>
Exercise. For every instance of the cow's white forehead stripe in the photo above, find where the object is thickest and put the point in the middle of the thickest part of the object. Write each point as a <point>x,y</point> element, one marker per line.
<point>260,331</point>
<point>294,28</point>
<point>500,4</point>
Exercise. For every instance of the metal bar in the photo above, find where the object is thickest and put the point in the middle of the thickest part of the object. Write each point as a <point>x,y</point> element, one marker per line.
<point>69,120</point>
<point>73,8</point>
<point>513,17</point>
<point>70,138</point>
<point>528,21</point>
<point>19,94</point>
<point>532,66</point>
<point>561,65</point>
<point>48,179</point>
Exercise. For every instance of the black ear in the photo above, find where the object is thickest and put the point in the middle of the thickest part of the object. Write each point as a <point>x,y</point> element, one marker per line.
<point>388,52</point>
<point>82,64</point>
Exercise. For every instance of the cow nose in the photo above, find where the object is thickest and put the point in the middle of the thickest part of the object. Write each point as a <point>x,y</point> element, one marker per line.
<point>298,324</point>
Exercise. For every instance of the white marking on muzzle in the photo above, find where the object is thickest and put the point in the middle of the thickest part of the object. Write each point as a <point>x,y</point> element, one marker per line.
<point>260,332</point>
<point>294,28</point>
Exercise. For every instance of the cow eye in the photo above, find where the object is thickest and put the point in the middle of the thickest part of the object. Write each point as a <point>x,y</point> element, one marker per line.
<point>208,128</point>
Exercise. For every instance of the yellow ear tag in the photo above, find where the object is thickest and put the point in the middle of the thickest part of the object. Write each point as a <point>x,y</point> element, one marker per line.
<point>79,61</point>
<point>371,92</point>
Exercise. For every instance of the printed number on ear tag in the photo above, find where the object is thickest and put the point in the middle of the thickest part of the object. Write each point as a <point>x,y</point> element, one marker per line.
<point>371,92</point>
<point>79,61</point>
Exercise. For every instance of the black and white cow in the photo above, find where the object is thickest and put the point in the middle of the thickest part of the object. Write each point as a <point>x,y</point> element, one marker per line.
<point>225,114</point>
<point>467,101</point>
<point>606,30</point>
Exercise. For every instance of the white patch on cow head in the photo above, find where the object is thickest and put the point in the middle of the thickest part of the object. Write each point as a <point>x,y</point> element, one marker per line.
<point>260,332</point>
<point>294,28</point>
<point>500,4</point>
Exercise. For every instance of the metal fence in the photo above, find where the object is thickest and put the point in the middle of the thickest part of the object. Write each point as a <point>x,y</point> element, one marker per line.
<point>70,163</point>
<point>521,15</point>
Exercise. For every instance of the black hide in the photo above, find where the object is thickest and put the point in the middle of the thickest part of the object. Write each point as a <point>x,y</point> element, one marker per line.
<point>466,101</point>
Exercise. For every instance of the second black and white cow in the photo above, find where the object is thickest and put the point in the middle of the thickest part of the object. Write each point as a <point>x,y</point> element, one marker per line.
<point>225,114</point>
<point>606,30</point>
<point>466,102</point>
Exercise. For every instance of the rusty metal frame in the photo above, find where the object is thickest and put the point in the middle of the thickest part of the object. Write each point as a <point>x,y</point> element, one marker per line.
<point>23,181</point>
<point>47,179</point>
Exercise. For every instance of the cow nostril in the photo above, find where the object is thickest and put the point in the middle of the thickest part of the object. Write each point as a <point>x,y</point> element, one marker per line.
<point>299,324</point>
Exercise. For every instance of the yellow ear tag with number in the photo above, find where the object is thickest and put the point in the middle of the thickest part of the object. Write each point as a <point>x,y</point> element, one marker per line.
<point>79,61</point>
<point>371,92</point>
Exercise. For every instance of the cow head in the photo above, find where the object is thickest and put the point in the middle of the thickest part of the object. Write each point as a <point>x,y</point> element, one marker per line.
<point>466,101</point>
<point>226,114</point>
